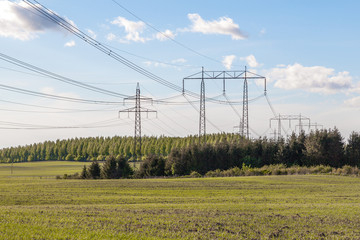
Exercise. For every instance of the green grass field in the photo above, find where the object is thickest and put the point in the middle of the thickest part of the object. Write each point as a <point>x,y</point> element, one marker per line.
<point>284,207</point>
<point>48,169</point>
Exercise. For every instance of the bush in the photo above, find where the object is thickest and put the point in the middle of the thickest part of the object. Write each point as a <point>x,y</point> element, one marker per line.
<point>94,170</point>
<point>216,173</point>
<point>281,169</point>
<point>232,172</point>
<point>153,165</point>
<point>195,174</point>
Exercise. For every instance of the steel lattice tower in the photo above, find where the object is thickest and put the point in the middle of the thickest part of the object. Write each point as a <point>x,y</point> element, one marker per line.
<point>137,134</point>
<point>202,120</point>
<point>224,76</point>
<point>137,110</point>
<point>245,118</point>
<point>289,118</point>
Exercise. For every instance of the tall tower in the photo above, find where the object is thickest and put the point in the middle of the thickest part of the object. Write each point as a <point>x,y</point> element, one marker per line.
<point>202,120</point>
<point>137,134</point>
<point>245,119</point>
<point>224,76</point>
<point>137,110</point>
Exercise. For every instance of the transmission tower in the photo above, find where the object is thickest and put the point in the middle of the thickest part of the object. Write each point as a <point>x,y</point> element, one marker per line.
<point>245,118</point>
<point>224,75</point>
<point>290,118</point>
<point>137,110</point>
<point>315,126</point>
<point>244,121</point>
<point>202,120</point>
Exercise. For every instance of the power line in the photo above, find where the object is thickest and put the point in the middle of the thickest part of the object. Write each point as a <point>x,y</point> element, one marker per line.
<point>151,60</point>
<point>83,36</point>
<point>172,39</point>
<point>55,97</point>
<point>192,104</point>
<point>53,17</point>
<point>49,74</point>
<point>26,126</point>
<point>70,110</point>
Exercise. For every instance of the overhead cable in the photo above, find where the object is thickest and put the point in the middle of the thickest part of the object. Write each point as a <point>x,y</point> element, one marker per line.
<point>165,35</point>
<point>55,97</point>
<point>49,74</point>
<point>83,36</point>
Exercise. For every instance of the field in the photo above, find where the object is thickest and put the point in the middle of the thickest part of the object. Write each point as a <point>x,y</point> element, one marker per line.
<point>35,205</point>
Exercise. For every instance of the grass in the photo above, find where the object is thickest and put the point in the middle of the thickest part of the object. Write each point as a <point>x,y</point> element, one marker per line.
<point>44,169</point>
<point>256,207</point>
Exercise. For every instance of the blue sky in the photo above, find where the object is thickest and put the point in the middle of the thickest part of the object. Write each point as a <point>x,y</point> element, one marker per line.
<point>307,50</point>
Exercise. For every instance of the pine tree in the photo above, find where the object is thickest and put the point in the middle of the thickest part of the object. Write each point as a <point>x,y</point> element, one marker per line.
<point>94,170</point>
<point>109,168</point>
<point>84,173</point>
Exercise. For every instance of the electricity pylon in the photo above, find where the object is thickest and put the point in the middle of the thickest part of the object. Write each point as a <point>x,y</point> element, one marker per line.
<point>224,75</point>
<point>290,118</point>
<point>137,110</point>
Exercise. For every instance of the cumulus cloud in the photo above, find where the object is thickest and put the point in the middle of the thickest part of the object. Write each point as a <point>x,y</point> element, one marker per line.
<point>155,64</point>
<point>228,61</point>
<point>133,29</point>
<point>314,79</point>
<point>19,22</point>
<point>163,36</point>
<point>223,25</point>
<point>70,44</point>
<point>91,33</point>
<point>111,37</point>
<point>176,64</point>
<point>353,102</point>
<point>251,61</point>
<point>179,60</point>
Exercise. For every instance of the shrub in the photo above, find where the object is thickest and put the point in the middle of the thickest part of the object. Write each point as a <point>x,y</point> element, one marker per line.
<point>195,174</point>
<point>94,170</point>
<point>216,173</point>
<point>153,165</point>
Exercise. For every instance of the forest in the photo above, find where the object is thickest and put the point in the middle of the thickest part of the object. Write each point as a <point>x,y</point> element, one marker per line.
<point>180,156</point>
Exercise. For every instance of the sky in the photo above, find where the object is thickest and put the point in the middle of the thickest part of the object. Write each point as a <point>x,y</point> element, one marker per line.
<point>307,51</point>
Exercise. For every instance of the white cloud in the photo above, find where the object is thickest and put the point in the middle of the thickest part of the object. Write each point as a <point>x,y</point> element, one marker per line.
<point>19,22</point>
<point>314,79</point>
<point>176,64</point>
<point>133,29</point>
<point>223,25</point>
<point>251,61</point>
<point>51,91</point>
<point>156,64</point>
<point>179,60</point>
<point>353,102</point>
<point>92,33</point>
<point>163,36</point>
<point>70,44</point>
<point>262,31</point>
<point>111,37</point>
<point>228,61</point>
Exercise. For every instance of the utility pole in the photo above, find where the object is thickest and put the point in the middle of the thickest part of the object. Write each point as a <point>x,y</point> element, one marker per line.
<point>137,110</point>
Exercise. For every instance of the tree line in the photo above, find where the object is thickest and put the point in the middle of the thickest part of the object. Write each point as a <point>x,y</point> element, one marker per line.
<point>98,148</point>
<point>168,156</point>
<point>323,147</point>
